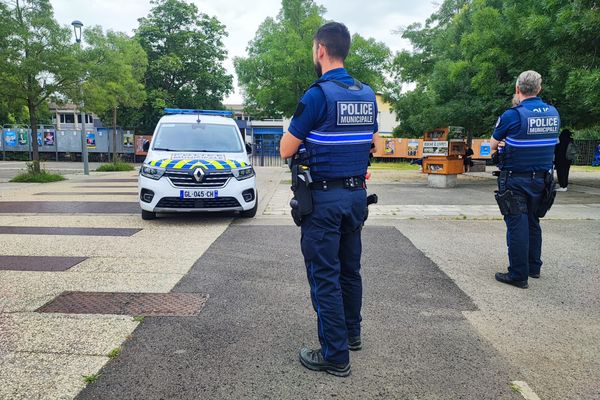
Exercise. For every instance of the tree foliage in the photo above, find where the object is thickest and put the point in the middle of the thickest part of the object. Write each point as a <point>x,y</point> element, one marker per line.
<point>37,59</point>
<point>116,65</point>
<point>185,59</point>
<point>469,53</point>
<point>279,66</point>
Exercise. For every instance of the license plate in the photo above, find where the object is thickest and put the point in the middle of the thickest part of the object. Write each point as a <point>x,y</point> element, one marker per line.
<point>198,194</point>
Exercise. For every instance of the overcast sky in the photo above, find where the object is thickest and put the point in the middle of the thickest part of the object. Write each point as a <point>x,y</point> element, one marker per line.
<point>374,18</point>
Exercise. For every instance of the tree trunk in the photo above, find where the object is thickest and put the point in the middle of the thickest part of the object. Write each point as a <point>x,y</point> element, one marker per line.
<point>114,134</point>
<point>33,138</point>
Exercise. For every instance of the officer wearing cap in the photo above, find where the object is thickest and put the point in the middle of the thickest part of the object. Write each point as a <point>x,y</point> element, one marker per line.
<point>525,181</point>
<point>334,122</point>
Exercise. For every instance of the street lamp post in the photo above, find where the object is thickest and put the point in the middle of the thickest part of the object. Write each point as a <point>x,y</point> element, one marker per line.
<point>77,25</point>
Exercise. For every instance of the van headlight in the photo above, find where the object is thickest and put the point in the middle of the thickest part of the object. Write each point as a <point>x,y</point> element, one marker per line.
<point>152,172</point>
<point>243,173</point>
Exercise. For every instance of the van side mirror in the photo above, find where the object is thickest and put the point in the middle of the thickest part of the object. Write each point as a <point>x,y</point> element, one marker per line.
<point>146,145</point>
<point>248,148</point>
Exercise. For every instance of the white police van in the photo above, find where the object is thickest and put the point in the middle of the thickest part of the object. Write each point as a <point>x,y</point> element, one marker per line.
<point>197,161</point>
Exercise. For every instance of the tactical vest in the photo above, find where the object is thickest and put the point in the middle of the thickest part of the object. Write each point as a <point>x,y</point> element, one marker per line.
<point>531,149</point>
<point>340,146</point>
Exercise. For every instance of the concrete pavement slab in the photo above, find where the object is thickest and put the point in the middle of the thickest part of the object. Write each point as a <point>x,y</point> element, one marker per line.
<point>244,344</point>
<point>551,330</point>
<point>44,376</point>
<point>64,334</point>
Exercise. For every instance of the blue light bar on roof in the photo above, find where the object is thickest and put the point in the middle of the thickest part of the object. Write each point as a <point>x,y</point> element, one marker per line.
<point>221,113</point>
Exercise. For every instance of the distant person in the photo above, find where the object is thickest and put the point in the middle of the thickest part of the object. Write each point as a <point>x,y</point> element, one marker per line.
<point>525,181</point>
<point>562,159</point>
<point>468,158</point>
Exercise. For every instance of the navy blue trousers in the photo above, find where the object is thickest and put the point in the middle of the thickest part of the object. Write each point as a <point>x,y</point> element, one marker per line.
<point>524,234</point>
<point>331,245</point>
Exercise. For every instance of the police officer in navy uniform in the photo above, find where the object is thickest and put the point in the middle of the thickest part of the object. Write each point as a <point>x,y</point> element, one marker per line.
<point>529,132</point>
<point>334,122</point>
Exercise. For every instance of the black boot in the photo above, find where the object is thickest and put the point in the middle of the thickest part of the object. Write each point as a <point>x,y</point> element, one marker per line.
<point>313,360</point>
<point>503,277</point>
<point>354,343</point>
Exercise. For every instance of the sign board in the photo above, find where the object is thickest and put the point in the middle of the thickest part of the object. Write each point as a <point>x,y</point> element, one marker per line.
<point>413,148</point>
<point>435,148</point>
<point>10,138</point>
<point>90,140</point>
<point>390,146</point>
<point>139,144</point>
<point>456,131</point>
<point>485,149</point>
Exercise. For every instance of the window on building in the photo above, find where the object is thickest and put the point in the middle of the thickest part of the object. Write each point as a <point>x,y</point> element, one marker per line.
<point>67,118</point>
<point>88,118</point>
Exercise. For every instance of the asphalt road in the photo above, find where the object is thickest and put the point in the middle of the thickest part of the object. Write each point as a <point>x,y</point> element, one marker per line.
<point>417,343</point>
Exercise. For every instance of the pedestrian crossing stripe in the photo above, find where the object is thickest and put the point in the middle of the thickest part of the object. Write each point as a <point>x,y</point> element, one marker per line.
<point>192,164</point>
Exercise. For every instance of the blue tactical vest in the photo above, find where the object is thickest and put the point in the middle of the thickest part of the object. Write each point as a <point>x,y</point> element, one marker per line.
<point>340,146</point>
<point>531,149</point>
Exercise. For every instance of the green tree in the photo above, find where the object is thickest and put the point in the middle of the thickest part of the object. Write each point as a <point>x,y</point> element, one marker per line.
<point>468,54</point>
<point>279,65</point>
<point>185,59</point>
<point>116,68</point>
<point>37,58</point>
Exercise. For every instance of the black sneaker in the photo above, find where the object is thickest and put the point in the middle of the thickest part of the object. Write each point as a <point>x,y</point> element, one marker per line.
<point>536,276</point>
<point>354,343</point>
<point>503,277</point>
<point>313,360</point>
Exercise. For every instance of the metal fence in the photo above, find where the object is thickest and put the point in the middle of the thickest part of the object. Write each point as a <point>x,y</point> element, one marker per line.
<point>265,148</point>
<point>587,151</point>
<point>16,143</point>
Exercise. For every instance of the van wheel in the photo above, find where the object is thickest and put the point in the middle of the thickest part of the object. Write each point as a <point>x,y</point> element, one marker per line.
<point>251,213</point>
<point>148,215</point>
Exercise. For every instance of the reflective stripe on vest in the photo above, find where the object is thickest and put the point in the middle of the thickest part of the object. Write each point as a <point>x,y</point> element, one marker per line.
<point>326,138</point>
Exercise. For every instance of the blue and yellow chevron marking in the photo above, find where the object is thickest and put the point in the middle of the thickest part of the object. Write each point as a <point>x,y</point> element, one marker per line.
<point>193,164</point>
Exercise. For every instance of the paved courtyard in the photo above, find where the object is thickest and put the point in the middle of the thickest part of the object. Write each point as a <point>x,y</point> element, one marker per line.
<point>96,303</point>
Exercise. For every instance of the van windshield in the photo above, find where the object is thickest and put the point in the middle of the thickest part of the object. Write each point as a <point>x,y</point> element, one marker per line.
<point>197,137</point>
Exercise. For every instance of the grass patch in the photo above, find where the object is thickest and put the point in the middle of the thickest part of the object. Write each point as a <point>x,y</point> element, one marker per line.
<point>515,388</point>
<point>90,378</point>
<point>114,353</point>
<point>139,318</point>
<point>116,166</point>
<point>35,174</point>
<point>401,166</point>
<point>584,168</point>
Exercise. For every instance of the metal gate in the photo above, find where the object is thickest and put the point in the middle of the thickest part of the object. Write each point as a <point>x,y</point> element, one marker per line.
<point>265,147</point>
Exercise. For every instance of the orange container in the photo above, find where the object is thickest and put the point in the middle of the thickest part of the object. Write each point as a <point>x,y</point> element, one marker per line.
<point>443,165</point>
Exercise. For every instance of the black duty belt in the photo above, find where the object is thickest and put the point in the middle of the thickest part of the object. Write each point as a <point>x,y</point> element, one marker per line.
<point>541,174</point>
<point>353,182</point>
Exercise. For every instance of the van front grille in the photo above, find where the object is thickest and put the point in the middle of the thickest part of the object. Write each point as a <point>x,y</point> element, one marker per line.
<point>210,179</point>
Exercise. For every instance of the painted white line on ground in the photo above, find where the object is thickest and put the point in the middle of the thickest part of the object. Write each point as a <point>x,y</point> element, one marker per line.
<point>523,388</point>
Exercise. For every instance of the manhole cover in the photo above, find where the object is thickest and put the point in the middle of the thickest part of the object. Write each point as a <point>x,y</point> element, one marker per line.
<point>134,304</point>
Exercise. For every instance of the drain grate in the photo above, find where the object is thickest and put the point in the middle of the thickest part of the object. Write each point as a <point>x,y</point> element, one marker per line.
<point>134,304</point>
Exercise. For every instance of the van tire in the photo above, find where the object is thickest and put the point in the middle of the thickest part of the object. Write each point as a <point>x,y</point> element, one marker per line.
<point>148,215</point>
<point>251,213</point>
